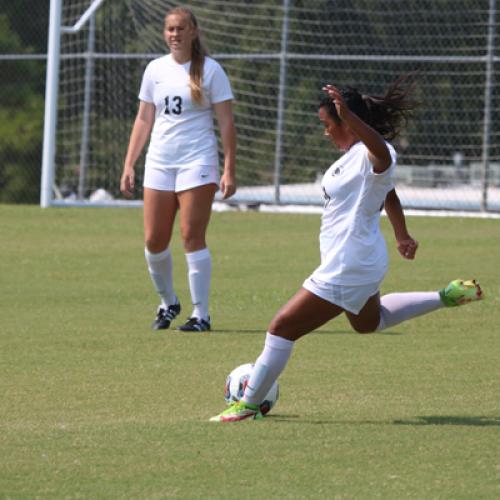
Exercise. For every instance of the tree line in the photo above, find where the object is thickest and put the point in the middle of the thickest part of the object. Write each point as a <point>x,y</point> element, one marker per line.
<point>452,93</point>
<point>23,30</point>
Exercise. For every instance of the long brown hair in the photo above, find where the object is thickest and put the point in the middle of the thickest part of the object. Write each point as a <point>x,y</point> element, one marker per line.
<point>198,54</point>
<point>387,114</point>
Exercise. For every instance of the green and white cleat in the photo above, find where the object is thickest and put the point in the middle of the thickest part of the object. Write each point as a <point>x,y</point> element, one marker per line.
<point>239,411</point>
<point>460,292</point>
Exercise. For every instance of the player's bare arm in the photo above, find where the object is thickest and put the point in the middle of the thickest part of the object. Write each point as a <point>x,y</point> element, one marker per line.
<point>140,133</point>
<point>224,114</point>
<point>407,246</point>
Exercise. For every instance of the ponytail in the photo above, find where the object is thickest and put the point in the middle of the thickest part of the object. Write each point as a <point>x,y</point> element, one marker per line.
<point>196,70</point>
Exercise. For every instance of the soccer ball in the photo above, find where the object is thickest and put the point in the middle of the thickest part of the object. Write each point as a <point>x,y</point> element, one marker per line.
<point>236,382</point>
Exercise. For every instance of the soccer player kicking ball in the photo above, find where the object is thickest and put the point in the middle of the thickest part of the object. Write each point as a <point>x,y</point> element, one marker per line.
<point>353,251</point>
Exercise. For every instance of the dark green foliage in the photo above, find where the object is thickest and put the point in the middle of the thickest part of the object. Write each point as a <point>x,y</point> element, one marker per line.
<point>21,121</point>
<point>349,41</point>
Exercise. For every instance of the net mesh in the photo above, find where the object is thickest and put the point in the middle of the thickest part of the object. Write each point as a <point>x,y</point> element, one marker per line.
<point>277,75</point>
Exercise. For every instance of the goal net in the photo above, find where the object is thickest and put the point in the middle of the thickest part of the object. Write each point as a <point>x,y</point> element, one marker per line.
<point>278,55</point>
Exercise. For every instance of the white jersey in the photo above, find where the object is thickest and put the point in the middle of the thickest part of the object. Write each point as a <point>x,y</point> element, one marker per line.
<point>183,132</point>
<point>353,249</point>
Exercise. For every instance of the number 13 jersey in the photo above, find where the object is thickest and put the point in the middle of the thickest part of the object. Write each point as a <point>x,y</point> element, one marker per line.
<point>183,132</point>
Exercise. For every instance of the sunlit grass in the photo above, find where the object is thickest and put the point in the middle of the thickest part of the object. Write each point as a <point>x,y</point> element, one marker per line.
<point>96,405</point>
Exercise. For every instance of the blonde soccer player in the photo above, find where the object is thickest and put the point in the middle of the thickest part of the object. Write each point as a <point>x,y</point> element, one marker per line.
<point>180,96</point>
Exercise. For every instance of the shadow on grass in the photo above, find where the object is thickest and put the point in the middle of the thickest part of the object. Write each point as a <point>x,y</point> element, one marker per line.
<point>479,421</point>
<point>320,332</point>
<point>352,332</point>
<point>221,330</point>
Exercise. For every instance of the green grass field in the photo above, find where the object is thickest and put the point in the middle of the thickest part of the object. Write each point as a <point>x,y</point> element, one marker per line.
<point>96,405</point>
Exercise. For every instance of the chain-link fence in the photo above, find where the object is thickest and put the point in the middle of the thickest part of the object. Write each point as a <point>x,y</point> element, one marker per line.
<point>278,55</point>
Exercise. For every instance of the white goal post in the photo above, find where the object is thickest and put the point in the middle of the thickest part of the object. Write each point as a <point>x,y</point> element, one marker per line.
<point>51,91</point>
<point>278,54</point>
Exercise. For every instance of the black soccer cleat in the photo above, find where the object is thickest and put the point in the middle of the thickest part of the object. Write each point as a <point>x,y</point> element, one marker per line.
<point>195,325</point>
<point>165,316</point>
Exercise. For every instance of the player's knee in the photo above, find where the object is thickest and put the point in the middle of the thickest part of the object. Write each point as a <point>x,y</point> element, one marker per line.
<point>278,325</point>
<point>155,245</point>
<point>364,329</point>
<point>192,241</point>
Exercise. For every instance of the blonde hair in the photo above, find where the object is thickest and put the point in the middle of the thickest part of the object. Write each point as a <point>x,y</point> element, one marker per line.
<point>198,54</point>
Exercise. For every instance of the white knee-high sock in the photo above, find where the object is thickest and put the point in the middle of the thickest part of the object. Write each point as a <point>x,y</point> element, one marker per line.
<point>199,275</point>
<point>160,270</point>
<point>268,368</point>
<point>398,307</point>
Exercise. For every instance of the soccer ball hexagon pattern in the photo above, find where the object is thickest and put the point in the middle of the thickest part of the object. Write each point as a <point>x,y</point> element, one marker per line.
<point>236,382</point>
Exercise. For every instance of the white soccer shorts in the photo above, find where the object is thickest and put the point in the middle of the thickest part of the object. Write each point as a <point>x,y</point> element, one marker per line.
<point>179,179</point>
<point>352,298</point>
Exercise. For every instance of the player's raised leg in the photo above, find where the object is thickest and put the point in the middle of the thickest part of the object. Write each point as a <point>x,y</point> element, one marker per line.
<point>394,308</point>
